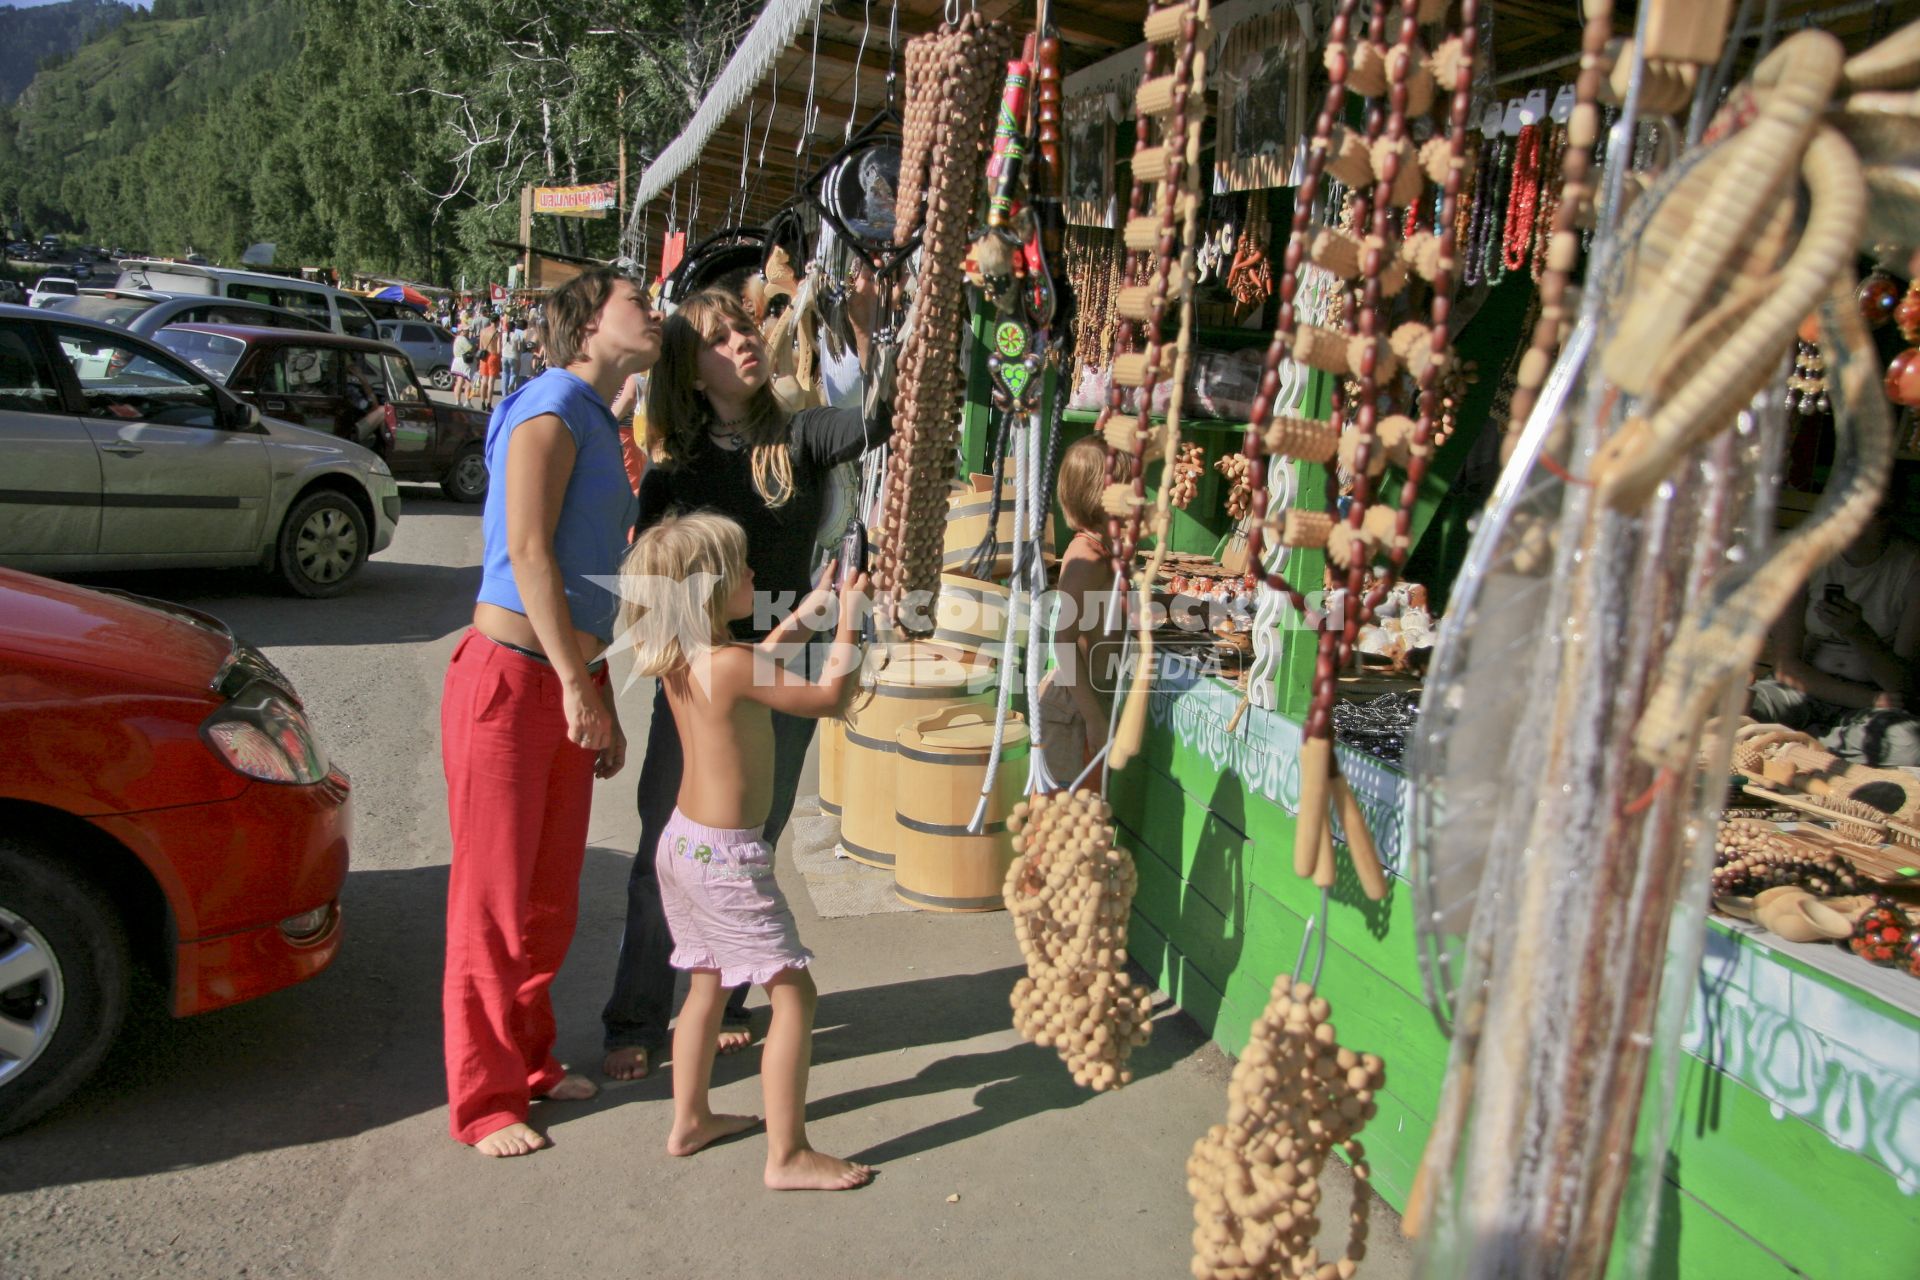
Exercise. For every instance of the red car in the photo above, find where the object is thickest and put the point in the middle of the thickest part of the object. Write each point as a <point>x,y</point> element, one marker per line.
<point>164,804</point>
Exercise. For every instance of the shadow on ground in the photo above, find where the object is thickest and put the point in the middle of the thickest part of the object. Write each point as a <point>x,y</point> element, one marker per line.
<point>359,1048</point>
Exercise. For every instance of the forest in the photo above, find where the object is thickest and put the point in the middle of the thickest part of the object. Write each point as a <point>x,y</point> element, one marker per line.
<point>389,136</point>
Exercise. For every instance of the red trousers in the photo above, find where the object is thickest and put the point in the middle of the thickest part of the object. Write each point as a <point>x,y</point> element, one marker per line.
<point>518,797</point>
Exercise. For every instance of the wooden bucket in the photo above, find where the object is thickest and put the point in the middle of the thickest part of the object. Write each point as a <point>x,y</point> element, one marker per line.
<point>967,515</point>
<point>940,762</point>
<point>833,747</point>
<point>918,682</point>
<point>971,615</point>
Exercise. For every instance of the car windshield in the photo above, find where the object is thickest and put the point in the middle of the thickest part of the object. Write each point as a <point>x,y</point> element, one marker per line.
<point>118,312</point>
<point>52,285</point>
<point>214,354</point>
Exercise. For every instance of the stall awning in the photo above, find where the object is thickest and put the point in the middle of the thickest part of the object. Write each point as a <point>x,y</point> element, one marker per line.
<point>772,35</point>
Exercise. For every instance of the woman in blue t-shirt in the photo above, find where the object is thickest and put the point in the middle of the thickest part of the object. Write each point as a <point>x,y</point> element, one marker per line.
<point>526,722</point>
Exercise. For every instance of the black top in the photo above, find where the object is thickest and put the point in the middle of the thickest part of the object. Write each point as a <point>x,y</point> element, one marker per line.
<point>780,540</point>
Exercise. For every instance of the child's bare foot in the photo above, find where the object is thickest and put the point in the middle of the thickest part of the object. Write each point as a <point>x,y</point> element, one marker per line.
<point>572,1088</point>
<point>733,1037</point>
<point>687,1139</point>
<point>516,1139</point>
<point>629,1062</point>
<point>811,1171</point>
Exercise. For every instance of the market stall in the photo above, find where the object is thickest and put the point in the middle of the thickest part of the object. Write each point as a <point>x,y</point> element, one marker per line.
<point>1323,279</point>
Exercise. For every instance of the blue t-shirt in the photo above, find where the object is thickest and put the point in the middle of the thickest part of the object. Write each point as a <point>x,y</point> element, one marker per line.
<point>595,515</point>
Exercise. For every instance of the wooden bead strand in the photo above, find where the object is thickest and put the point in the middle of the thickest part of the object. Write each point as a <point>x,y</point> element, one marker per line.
<point>953,78</point>
<point>1296,1094</point>
<point>1070,891</point>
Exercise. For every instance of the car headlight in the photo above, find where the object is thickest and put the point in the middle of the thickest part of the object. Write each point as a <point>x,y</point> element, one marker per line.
<point>380,467</point>
<point>261,733</point>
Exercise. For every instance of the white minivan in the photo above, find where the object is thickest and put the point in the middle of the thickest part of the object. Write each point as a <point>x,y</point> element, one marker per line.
<point>341,312</point>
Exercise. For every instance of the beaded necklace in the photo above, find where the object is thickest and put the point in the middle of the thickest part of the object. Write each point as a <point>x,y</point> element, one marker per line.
<point>1523,199</point>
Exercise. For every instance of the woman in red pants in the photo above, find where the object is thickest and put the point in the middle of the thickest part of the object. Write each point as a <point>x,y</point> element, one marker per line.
<point>526,722</point>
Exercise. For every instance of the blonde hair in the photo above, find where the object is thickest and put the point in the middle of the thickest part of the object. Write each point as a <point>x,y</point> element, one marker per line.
<point>672,614</point>
<point>679,415</point>
<point>1083,479</point>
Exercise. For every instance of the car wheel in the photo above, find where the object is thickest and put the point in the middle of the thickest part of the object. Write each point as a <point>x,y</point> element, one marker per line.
<point>64,979</point>
<point>466,479</point>
<point>441,379</point>
<point>323,543</point>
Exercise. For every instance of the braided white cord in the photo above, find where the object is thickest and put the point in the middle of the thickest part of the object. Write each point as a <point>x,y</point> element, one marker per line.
<point>1039,631</point>
<point>1270,605</point>
<point>1007,674</point>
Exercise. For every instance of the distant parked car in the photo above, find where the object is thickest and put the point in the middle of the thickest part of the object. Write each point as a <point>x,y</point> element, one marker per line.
<point>361,391</point>
<point>120,456</point>
<point>175,815</point>
<point>81,270</point>
<point>427,345</point>
<point>47,288</point>
<point>338,310</point>
<point>148,313</point>
<point>23,250</point>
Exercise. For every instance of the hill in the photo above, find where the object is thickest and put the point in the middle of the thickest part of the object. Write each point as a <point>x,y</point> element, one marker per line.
<point>30,37</point>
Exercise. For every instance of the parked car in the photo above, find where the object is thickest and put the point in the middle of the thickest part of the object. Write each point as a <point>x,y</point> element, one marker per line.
<point>338,310</point>
<point>10,291</point>
<point>428,347</point>
<point>47,288</point>
<point>49,243</point>
<point>120,456</point>
<point>148,313</point>
<point>361,391</point>
<point>176,814</point>
<point>82,271</point>
<point>23,250</point>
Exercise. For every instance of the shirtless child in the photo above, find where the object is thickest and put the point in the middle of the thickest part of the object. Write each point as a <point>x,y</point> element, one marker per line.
<point>684,580</point>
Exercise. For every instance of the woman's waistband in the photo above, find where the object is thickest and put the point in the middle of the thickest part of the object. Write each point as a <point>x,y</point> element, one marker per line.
<point>593,668</point>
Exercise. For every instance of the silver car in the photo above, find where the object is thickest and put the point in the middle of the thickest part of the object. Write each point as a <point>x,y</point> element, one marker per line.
<point>121,456</point>
<point>145,314</point>
<point>428,347</point>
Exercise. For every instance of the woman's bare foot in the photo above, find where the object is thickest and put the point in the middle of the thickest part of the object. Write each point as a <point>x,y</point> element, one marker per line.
<point>811,1171</point>
<point>733,1037</point>
<point>685,1140</point>
<point>516,1139</point>
<point>629,1062</point>
<point>572,1088</point>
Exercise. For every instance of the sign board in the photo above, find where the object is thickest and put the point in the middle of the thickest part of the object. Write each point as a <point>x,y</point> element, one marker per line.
<point>576,202</point>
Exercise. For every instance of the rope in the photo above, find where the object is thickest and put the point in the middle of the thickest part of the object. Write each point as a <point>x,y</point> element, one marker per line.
<point>978,822</point>
<point>980,559</point>
<point>1039,634</point>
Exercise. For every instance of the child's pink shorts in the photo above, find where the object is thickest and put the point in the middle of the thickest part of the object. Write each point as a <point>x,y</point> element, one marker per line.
<point>723,905</point>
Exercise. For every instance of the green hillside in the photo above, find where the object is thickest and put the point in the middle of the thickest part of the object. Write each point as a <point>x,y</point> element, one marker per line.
<point>385,135</point>
<point>47,33</point>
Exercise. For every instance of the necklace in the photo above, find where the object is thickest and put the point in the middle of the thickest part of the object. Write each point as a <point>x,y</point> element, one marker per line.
<point>1486,196</point>
<point>1524,199</point>
<point>1553,152</point>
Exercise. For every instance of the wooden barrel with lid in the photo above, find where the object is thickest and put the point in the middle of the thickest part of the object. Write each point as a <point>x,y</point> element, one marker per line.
<point>917,681</point>
<point>940,763</point>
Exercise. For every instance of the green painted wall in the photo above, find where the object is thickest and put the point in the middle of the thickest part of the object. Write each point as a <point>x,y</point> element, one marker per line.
<point>1220,913</point>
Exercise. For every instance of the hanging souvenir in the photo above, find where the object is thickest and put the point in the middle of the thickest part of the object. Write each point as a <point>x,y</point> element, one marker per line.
<point>1090,161</point>
<point>1262,102</point>
<point>856,190</point>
